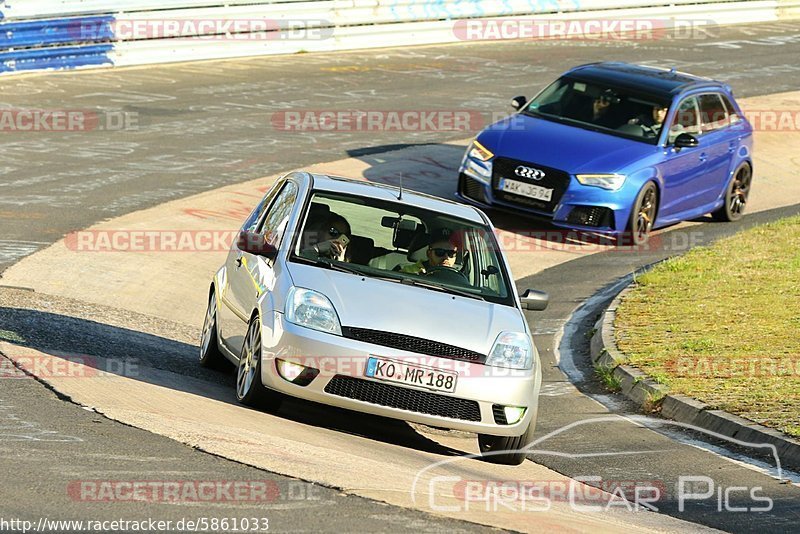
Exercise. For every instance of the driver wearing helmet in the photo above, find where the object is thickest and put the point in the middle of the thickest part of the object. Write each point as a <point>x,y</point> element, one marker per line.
<point>442,251</point>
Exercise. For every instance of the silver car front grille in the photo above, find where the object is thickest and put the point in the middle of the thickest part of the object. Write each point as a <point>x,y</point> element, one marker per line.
<point>412,344</point>
<point>403,398</point>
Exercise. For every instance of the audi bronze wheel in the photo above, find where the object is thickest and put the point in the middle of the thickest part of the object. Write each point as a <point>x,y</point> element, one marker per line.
<point>643,215</point>
<point>736,196</point>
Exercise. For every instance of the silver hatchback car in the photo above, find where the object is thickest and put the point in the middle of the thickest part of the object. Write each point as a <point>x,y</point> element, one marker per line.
<point>379,300</point>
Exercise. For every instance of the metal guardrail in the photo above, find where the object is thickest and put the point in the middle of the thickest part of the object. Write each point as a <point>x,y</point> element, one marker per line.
<point>65,34</point>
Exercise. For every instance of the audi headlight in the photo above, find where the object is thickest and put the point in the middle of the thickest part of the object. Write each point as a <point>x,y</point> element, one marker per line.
<point>305,307</point>
<point>612,182</point>
<point>479,152</point>
<point>512,350</point>
<point>477,162</point>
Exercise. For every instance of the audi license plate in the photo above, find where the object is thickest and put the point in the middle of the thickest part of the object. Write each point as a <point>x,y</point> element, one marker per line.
<point>410,374</point>
<point>526,190</point>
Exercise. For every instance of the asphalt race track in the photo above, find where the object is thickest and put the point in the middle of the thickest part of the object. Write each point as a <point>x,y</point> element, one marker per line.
<point>205,125</point>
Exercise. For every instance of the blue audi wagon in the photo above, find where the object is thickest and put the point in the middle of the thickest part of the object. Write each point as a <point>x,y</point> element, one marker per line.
<point>615,148</point>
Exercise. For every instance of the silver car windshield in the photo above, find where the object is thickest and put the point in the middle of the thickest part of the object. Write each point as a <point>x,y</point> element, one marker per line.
<point>602,108</point>
<point>402,244</point>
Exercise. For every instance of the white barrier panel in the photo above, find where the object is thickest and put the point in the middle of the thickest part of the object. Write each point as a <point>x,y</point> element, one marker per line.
<point>371,36</point>
<point>399,10</point>
<point>357,14</point>
<point>130,32</point>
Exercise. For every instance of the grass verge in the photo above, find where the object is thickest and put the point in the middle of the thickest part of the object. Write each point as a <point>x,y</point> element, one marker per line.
<point>722,324</point>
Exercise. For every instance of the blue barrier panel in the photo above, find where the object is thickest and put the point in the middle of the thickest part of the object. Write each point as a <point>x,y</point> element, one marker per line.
<point>64,57</point>
<point>56,31</point>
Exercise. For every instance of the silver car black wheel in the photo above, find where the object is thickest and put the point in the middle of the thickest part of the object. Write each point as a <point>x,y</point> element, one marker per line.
<point>210,355</point>
<point>248,362</point>
<point>509,450</point>
<point>249,389</point>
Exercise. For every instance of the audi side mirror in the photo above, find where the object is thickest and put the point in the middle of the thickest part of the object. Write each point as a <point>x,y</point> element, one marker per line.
<point>686,140</point>
<point>254,243</point>
<point>518,102</point>
<point>534,300</point>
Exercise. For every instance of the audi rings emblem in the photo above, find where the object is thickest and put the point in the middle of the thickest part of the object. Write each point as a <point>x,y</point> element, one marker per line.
<point>527,172</point>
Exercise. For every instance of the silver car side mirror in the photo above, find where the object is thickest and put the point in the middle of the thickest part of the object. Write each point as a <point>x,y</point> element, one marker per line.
<point>254,243</point>
<point>534,300</point>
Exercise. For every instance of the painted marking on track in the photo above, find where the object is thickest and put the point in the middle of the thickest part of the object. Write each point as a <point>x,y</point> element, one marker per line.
<point>556,389</point>
<point>13,250</point>
<point>13,428</point>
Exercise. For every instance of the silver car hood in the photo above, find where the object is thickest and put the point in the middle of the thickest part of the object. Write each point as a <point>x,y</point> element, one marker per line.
<point>389,306</point>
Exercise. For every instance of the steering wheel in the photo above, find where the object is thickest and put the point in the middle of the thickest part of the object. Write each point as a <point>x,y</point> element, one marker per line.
<point>651,131</point>
<point>448,275</point>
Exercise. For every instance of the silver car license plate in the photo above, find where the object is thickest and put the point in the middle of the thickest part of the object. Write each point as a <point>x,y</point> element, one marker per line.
<point>410,374</point>
<point>526,190</point>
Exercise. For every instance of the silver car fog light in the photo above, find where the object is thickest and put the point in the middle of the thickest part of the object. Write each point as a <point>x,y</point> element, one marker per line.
<point>513,414</point>
<point>507,415</point>
<point>296,373</point>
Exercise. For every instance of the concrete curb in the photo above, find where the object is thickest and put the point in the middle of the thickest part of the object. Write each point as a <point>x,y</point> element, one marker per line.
<point>646,393</point>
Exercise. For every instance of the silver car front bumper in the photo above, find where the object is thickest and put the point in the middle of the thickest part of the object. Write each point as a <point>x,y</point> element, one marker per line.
<point>338,357</point>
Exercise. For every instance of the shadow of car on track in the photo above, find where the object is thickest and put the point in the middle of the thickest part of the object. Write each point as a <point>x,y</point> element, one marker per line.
<point>81,348</point>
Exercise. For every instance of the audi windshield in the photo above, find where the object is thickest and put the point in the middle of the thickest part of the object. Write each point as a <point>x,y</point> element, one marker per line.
<point>611,110</point>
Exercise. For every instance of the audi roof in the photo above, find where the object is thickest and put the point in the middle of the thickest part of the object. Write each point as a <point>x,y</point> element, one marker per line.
<point>664,82</point>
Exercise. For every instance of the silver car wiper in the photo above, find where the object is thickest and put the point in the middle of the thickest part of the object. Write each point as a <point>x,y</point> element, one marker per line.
<point>437,287</point>
<point>343,267</point>
<point>328,264</point>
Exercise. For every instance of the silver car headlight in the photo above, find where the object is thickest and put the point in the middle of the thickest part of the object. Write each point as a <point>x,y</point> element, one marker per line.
<point>309,308</point>
<point>612,182</point>
<point>477,162</point>
<point>512,350</point>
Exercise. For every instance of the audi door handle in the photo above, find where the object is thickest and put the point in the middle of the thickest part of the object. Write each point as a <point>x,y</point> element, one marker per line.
<point>703,157</point>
